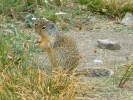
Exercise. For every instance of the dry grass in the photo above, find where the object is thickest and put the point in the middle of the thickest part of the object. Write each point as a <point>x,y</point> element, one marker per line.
<point>37,85</point>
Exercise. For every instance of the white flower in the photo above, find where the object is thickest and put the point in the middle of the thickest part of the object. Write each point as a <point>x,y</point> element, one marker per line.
<point>45,1</point>
<point>44,18</point>
<point>33,18</point>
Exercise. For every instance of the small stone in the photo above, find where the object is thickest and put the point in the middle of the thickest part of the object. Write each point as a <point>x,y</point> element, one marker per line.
<point>128,19</point>
<point>106,44</point>
<point>96,61</point>
<point>102,72</point>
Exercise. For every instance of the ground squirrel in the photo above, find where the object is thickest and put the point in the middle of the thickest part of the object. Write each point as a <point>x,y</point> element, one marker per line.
<point>62,50</point>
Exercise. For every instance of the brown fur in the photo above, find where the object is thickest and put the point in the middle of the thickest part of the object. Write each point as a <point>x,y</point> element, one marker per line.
<point>61,49</point>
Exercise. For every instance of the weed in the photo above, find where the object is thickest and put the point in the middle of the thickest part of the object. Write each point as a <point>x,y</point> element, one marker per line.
<point>127,75</point>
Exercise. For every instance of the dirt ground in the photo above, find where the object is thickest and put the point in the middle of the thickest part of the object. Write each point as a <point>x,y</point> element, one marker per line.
<point>87,43</point>
<point>103,88</point>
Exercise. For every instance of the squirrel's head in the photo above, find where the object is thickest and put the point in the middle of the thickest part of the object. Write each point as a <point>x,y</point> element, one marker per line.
<point>47,28</point>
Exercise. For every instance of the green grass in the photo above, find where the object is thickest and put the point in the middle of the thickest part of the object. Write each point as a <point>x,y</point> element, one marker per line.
<point>115,8</point>
<point>18,8</point>
<point>124,29</point>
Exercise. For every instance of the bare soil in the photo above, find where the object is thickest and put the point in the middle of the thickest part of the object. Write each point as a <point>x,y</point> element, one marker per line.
<point>104,88</point>
<point>87,44</point>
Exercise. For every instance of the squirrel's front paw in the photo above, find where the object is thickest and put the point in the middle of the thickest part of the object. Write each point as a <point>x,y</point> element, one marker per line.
<point>37,42</point>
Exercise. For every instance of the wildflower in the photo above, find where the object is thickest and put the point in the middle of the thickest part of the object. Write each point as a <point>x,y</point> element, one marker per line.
<point>33,18</point>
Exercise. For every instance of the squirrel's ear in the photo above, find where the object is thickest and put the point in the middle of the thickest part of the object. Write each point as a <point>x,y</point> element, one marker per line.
<point>51,26</point>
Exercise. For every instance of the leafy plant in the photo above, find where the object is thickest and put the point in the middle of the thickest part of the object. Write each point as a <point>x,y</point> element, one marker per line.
<point>128,75</point>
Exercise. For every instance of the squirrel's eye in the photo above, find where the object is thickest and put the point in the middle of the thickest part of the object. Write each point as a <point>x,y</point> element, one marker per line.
<point>44,27</point>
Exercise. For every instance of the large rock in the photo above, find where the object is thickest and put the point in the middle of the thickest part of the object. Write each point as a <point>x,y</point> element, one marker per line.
<point>128,19</point>
<point>106,44</point>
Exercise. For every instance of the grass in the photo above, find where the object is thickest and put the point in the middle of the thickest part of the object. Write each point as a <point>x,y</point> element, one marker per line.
<point>17,9</point>
<point>21,79</point>
<point>20,74</point>
<point>127,75</point>
<point>36,85</point>
<point>124,29</point>
<point>114,8</point>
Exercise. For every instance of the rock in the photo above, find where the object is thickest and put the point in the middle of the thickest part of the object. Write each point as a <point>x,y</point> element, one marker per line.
<point>128,19</point>
<point>106,44</point>
<point>102,72</point>
<point>95,72</point>
<point>29,20</point>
